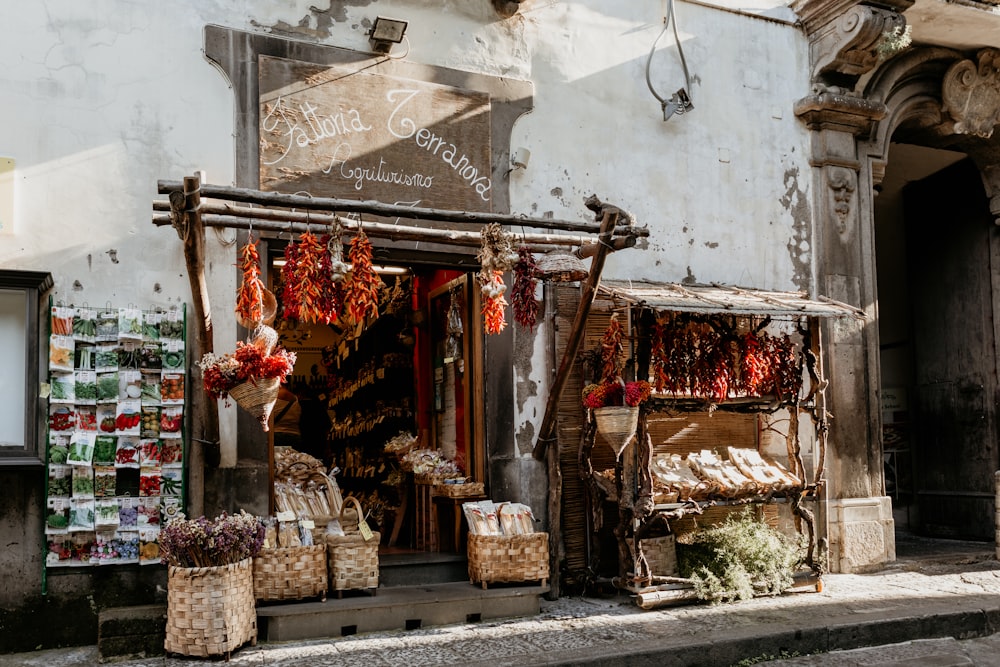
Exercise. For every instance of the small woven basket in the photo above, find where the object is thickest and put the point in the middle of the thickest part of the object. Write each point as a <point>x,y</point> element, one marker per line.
<point>459,490</point>
<point>210,610</point>
<point>508,558</point>
<point>560,267</point>
<point>617,424</point>
<point>257,398</point>
<point>290,573</point>
<point>660,554</point>
<point>352,560</point>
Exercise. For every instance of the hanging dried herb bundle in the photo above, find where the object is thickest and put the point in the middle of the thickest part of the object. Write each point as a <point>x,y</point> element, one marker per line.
<point>494,305</point>
<point>362,291</point>
<point>250,295</point>
<point>525,305</point>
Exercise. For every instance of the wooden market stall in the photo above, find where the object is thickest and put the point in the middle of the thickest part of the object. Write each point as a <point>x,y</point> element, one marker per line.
<point>736,418</point>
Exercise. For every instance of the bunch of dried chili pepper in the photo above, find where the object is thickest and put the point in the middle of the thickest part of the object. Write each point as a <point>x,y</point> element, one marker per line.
<point>494,304</point>
<point>250,295</point>
<point>361,293</point>
<point>307,281</point>
<point>525,305</point>
<point>612,350</point>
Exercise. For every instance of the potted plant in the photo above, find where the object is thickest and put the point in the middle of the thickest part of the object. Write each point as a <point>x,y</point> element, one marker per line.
<point>251,375</point>
<point>210,598</point>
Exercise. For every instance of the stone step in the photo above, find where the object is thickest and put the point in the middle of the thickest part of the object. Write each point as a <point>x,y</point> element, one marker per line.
<point>421,568</point>
<point>396,608</point>
<point>136,632</point>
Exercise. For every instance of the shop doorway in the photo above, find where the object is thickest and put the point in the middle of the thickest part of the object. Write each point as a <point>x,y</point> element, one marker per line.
<point>935,244</point>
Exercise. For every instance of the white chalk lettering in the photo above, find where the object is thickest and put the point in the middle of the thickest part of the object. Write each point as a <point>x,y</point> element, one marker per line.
<point>359,175</point>
<point>282,120</point>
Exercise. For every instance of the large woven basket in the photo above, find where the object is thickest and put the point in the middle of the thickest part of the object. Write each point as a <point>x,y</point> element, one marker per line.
<point>257,398</point>
<point>617,424</point>
<point>352,561</point>
<point>290,573</point>
<point>508,558</point>
<point>210,610</point>
<point>660,554</point>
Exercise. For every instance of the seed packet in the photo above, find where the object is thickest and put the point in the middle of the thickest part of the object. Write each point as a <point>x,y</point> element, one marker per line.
<point>61,356</point>
<point>151,326</point>
<point>128,513</point>
<point>149,546</point>
<point>85,325</point>
<point>81,449</point>
<point>81,546</point>
<point>127,545</point>
<point>86,387</point>
<point>105,513</point>
<point>128,417</point>
<point>171,452</point>
<point>171,420</point>
<point>149,453</point>
<point>107,326</point>
<point>105,551</point>
<point>60,481</point>
<point>62,320</point>
<point>151,356</point>
<point>106,423</point>
<point>105,447</point>
<point>173,354</point>
<point>149,512</point>
<point>57,516</point>
<point>62,419</point>
<point>170,481</point>
<point>127,454</point>
<point>105,358</point>
<point>85,357</point>
<point>130,355</point>
<point>62,388</point>
<point>149,482</point>
<point>170,508</point>
<point>83,483</point>
<point>81,514</point>
<point>129,385</point>
<point>150,394</point>
<point>105,481</point>
<point>58,447</point>
<point>130,324</point>
<point>172,325</point>
<point>58,551</point>
<point>149,426</point>
<point>172,388</point>
<point>107,387</point>
<point>86,418</point>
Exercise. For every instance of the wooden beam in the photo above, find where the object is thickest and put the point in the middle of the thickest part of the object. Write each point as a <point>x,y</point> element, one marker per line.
<point>330,204</point>
<point>548,427</point>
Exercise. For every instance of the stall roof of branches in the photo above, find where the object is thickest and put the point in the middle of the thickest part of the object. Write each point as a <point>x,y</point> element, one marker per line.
<point>716,299</point>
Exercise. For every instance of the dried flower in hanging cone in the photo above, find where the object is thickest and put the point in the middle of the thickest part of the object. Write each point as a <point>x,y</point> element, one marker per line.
<point>250,295</point>
<point>494,305</point>
<point>525,305</point>
<point>361,293</point>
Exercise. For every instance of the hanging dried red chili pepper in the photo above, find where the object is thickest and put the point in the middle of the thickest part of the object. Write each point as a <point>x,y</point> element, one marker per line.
<point>363,288</point>
<point>494,304</point>
<point>754,367</point>
<point>289,285</point>
<point>250,295</point>
<point>612,351</point>
<point>787,370</point>
<point>658,352</point>
<point>525,305</point>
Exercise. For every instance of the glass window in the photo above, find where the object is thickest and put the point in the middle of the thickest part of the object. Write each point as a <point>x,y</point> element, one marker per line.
<point>21,419</point>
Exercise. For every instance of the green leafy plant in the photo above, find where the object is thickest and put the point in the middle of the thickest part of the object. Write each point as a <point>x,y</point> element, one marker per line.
<point>738,559</point>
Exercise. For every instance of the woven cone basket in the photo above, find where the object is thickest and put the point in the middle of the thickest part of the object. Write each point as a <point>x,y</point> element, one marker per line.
<point>257,398</point>
<point>617,425</point>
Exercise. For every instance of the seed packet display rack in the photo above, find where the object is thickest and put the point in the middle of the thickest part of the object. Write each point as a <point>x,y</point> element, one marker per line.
<point>115,444</point>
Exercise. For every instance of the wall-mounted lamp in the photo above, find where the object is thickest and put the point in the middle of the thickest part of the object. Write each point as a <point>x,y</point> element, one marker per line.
<point>385,32</point>
<point>519,159</point>
<point>507,8</point>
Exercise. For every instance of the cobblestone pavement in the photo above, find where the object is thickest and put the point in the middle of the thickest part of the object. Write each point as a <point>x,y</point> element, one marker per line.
<point>911,600</point>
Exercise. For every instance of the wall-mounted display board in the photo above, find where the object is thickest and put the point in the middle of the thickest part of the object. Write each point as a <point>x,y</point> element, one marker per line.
<point>116,443</point>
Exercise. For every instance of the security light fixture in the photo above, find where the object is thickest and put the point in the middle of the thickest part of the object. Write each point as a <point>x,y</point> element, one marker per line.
<point>385,32</point>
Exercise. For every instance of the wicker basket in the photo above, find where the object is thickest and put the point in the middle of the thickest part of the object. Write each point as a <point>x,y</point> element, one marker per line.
<point>352,560</point>
<point>210,610</point>
<point>257,398</point>
<point>661,555</point>
<point>468,489</point>
<point>290,573</point>
<point>617,424</point>
<point>508,558</point>
<point>558,266</point>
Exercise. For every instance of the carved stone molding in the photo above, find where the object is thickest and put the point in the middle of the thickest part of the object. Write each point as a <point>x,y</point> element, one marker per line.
<point>827,110</point>
<point>970,94</point>
<point>846,48</point>
<point>842,186</point>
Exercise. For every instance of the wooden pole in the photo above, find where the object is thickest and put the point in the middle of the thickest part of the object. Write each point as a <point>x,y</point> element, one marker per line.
<point>283,200</point>
<point>547,429</point>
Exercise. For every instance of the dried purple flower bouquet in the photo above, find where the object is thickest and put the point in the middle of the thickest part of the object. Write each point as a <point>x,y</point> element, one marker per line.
<point>202,543</point>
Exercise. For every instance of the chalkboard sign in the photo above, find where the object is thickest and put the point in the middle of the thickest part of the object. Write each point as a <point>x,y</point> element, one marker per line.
<point>337,132</point>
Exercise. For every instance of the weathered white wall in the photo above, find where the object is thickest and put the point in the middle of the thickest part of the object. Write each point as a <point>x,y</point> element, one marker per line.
<point>103,99</point>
